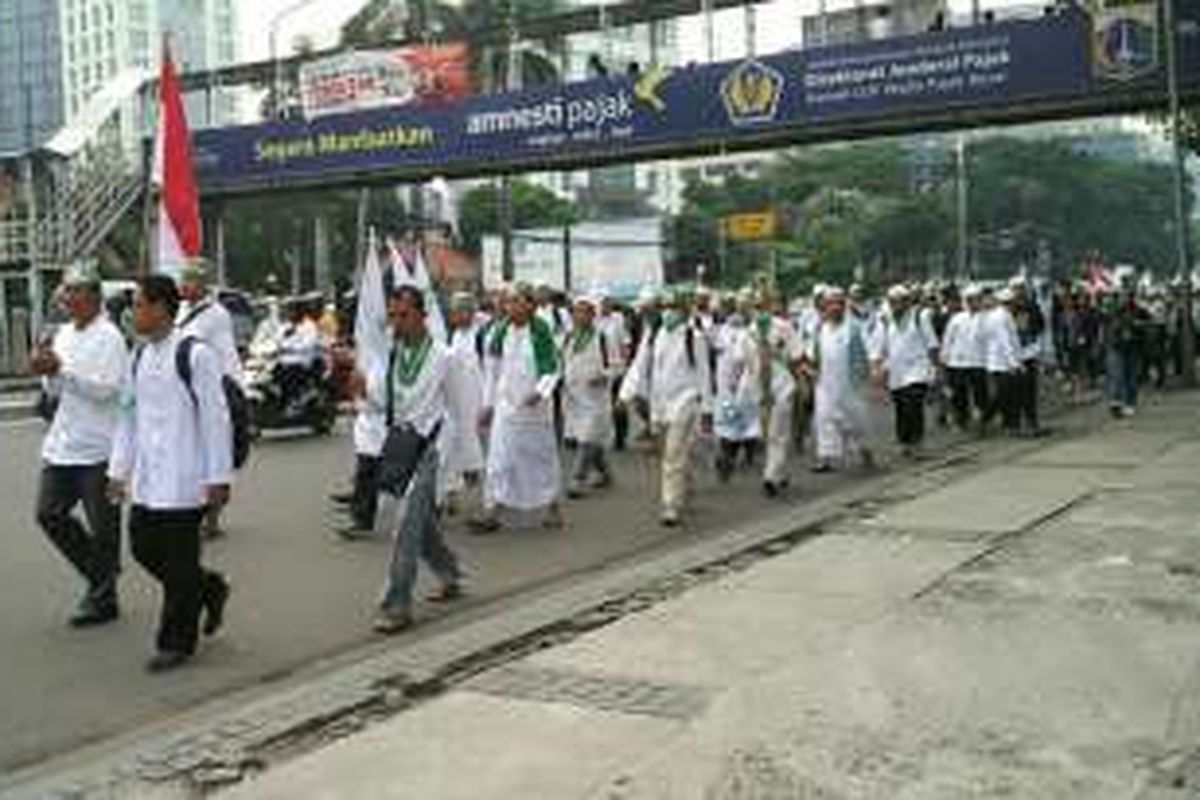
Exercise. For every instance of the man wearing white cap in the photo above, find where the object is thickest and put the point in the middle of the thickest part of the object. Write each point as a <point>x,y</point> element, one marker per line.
<point>84,368</point>
<point>522,375</point>
<point>1002,351</point>
<point>905,351</point>
<point>588,372</point>
<point>201,316</point>
<point>965,359</point>
<point>671,371</point>
<point>462,458</point>
<point>839,361</point>
<point>611,323</point>
<point>779,352</point>
<point>737,385</point>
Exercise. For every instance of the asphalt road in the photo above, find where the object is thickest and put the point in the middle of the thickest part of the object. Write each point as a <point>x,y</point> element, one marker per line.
<point>300,594</point>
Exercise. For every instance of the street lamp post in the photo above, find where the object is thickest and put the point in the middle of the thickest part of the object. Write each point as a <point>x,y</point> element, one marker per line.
<point>1187,332</point>
<point>273,38</point>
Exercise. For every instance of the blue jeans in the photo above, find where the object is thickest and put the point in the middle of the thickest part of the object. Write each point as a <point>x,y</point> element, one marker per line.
<point>1122,377</point>
<point>419,535</point>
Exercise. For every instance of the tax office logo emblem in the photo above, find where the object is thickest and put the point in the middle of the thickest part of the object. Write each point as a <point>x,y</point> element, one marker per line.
<point>751,93</point>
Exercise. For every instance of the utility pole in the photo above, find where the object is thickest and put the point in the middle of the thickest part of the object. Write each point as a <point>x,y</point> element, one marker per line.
<point>1182,233</point>
<point>962,265</point>
<point>512,81</point>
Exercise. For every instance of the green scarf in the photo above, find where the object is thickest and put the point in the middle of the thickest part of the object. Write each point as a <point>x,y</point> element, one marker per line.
<point>545,354</point>
<point>411,360</point>
<point>672,319</point>
<point>581,337</point>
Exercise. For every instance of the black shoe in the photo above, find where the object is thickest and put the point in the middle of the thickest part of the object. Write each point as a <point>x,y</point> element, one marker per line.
<point>481,526</point>
<point>821,467</point>
<point>770,489</point>
<point>167,660</point>
<point>92,613</point>
<point>342,499</point>
<point>354,533</point>
<point>214,608</point>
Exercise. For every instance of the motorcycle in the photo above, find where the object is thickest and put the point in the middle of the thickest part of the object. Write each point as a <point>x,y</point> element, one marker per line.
<point>273,405</point>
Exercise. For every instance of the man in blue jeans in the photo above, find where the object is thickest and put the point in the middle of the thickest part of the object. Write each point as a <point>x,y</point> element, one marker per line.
<point>414,390</point>
<point>1123,324</point>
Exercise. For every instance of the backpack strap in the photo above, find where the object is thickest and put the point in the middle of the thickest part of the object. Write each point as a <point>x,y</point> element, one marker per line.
<point>388,388</point>
<point>603,348</point>
<point>196,310</point>
<point>183,364</point>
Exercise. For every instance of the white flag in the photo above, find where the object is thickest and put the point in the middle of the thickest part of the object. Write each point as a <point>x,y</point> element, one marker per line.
<point>408,268</point>
<point>372,342</point>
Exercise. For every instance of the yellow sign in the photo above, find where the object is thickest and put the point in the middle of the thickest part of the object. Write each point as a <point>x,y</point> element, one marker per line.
<point>750,227</point>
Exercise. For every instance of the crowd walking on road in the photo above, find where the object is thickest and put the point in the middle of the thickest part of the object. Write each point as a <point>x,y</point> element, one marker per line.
<point>509,405</point>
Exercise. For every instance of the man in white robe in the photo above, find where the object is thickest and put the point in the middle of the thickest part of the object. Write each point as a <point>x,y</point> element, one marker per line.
<point>779,353</point>
<point>462,458</point>
<point>838,358</point>
<point>671,371</point>
<point>736,420</point>
<point>523,470</point>
<point>588,373</point>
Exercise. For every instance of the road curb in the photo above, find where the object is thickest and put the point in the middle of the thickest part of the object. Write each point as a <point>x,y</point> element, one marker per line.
<point>221,740</point>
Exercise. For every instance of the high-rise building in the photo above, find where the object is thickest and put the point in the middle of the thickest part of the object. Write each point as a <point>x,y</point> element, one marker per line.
<point>31,73</point>
<point>56,54</point>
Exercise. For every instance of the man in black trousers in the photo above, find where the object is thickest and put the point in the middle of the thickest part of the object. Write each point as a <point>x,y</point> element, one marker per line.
<point>84,369</point>
<point>173,457</point>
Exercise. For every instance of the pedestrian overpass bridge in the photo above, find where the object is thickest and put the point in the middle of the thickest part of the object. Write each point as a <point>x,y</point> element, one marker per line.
<point>1056,66</point>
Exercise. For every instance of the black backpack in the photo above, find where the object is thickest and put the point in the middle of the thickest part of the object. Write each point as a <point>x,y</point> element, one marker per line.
<point>235,398</point>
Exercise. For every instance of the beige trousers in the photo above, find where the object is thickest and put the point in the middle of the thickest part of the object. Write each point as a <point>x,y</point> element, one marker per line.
<point>677,459</point>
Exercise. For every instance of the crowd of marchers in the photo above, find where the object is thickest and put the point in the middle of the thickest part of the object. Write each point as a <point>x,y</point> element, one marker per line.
<point>510,403</point>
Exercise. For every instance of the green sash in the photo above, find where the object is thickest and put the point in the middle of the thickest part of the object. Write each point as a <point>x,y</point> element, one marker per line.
<point>545,354</point>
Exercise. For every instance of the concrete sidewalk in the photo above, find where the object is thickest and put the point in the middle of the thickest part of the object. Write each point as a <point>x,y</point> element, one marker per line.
<point>1031,631</point>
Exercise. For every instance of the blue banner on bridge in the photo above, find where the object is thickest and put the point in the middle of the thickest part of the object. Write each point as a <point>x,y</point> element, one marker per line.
<point>1001,64</point>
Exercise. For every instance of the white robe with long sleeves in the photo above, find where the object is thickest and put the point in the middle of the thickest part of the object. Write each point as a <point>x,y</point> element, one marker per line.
<point>523,469</point>
<point>738,387</point>
<point>587,378</point>
<point>839,406</point>
<point>463,451</point>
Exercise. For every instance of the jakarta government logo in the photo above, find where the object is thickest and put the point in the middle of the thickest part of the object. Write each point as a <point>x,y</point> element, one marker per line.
<point>751,92</point>
<point>1125,38</point>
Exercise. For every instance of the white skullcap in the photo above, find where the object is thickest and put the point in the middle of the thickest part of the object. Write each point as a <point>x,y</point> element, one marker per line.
<point>897,292</point>
<point>972,290</point>
<point>834,293</point>
<point>1006,295</point>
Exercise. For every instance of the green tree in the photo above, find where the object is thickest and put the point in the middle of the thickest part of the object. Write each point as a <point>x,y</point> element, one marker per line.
<point>532,206</point>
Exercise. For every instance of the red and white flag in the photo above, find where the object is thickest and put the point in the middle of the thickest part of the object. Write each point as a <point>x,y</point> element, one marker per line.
<point>173,176</point>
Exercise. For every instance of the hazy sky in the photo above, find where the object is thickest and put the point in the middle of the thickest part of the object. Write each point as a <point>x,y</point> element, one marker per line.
<point>778,24</point>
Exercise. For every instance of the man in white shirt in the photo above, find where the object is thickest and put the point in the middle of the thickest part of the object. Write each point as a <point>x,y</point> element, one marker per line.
<point>905,351</point>
<point>173,456</point>
<point>1003,361</point>
<point>85,367</point>
<point>416,390</point>
<point>671,371</point>
<point>202,316</point>
<point>588,373</point>
<point>611,323</point>
<point>965,359</point>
